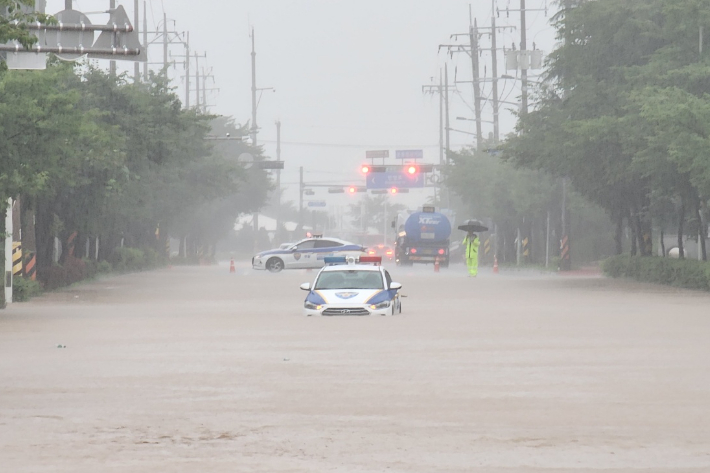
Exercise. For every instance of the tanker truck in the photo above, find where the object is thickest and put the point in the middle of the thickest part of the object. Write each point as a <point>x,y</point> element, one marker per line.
<point>422,237</point>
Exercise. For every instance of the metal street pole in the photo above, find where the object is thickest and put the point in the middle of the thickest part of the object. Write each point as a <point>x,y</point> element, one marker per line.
<point>385,231</point>
<point>8,252</point>
<point>547,241</point>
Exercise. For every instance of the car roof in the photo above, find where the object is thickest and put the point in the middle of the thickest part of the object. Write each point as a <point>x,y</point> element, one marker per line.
<point>338,240</point>
<point>351,267</point>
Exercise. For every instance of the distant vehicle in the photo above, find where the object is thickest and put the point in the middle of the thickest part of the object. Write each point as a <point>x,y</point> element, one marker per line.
<point>305,254</point>
<point>352,286</point>
<point>424,239</point>
<point>381,250</point>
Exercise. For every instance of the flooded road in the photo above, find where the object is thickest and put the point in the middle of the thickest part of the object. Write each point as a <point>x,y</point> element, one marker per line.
<point>196,369</point>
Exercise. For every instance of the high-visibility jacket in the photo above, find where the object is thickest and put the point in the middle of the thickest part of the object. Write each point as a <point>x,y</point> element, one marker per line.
<point>471,247</point>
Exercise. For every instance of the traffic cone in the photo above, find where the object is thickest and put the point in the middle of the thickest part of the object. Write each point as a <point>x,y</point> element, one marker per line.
<point>436,265</point>
<point>495,264</point>
<point>232,269</point>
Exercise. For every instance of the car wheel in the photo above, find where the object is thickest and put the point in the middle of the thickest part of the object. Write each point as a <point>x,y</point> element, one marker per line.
<point>275,265</point>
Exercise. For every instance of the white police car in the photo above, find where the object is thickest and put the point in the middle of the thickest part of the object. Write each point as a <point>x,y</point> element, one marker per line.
<point>352,286</point>
<point>308,253</point>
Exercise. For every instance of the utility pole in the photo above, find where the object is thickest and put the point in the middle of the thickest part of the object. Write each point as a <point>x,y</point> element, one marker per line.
<point>112,64</point>
<point>565,253</point>
<point>300,198</point>
<point>523,49</point>
<point>145,40</point>
<point>136,21</point>
<point>278,179</point>
<point>206,75</point>
<point>446,111</point>
<point>441,120</point>
<point>204,91</point>
<point>473,50</point>
<point>473,38</point>
<point>439,89</point>
<point>165,43</point>
<point>494,55</point>
<point>187,71</point>
<point>197,82</point>
<point>253,91</point>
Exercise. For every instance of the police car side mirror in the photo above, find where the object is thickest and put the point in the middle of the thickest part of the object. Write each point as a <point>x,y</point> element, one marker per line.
<point>395,285</point>
<point>306,286</point>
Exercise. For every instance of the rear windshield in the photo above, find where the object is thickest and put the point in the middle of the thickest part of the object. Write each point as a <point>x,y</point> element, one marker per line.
<point>353,279</point>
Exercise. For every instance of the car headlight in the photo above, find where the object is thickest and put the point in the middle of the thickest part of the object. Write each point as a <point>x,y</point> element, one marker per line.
<point>312,306</point>
<point>381,305</point>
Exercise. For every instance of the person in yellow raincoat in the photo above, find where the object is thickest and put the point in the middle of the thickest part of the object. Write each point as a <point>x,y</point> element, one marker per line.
<point>471,244</point>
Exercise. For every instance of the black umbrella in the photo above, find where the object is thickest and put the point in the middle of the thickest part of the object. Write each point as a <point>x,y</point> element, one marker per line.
<point>473,226</point>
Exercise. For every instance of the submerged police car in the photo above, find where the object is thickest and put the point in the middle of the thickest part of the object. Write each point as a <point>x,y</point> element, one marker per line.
<point>308,253</point>
<point>352,286</point>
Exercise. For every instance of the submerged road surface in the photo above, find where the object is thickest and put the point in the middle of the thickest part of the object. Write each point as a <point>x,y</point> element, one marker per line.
<point>199,370</point>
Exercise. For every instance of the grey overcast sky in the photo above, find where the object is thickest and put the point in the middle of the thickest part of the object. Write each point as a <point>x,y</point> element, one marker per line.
<point>348,74</point>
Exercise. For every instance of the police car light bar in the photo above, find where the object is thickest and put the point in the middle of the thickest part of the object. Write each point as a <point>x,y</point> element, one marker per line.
<point>371,259</point>
<point>330,260</point>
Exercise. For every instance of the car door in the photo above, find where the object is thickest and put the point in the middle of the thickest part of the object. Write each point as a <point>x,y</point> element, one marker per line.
<point>395,300</point>
<point>303,255</point>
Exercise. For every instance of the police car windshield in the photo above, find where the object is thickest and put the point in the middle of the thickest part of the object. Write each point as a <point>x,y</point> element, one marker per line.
<point>352,279</point>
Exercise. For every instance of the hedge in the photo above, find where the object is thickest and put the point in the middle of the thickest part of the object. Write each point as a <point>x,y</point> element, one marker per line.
<point>688,274</point>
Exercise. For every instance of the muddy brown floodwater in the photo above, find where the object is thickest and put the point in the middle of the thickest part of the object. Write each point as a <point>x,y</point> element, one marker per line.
<point>199,370</point>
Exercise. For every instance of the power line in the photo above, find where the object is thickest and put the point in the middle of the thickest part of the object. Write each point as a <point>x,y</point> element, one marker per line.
<point>351,145</point>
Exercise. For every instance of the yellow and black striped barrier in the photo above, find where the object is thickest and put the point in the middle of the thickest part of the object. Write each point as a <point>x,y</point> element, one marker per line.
<point>526,247</point>
<point>31,266</point>
<point>564,254</point>
<point>16,258</point>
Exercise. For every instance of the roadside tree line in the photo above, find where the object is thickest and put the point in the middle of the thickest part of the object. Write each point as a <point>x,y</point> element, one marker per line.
<point>102,163</point>
<point>624,114</point>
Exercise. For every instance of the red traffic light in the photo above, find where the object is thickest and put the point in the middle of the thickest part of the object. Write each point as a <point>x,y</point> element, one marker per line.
<point>412,169</point>
<point>394,190</point>
<point>352,189</point>
<point>365,169</point>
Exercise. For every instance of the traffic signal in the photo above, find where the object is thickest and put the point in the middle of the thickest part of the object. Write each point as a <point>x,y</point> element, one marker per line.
<point>412,169</point>
<point>335,190</point>
<point>352,190</point>
<point>397,190</point>
<point>369,168</point>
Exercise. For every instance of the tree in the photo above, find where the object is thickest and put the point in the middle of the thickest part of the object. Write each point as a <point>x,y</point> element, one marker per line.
<point>623,110</point>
